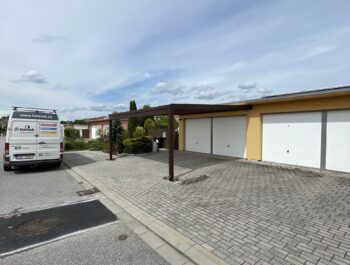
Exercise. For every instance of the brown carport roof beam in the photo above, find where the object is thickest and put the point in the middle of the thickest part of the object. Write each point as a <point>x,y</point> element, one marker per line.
<point>179,109</point>
<point>171,110</point>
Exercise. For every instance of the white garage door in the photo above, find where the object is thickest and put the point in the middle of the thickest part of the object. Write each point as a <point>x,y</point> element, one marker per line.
<point>338,141</point>
<point>198,135</point>
<point>293,138</point>
<point>229,136</point>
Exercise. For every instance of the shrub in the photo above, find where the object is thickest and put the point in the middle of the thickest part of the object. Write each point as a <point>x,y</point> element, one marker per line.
<point>98,145</point>
<point>149,123</point>
<point>71,133</point>
<point>162,121</point>
<point>133,122</point>
<point>139,132</point>
<point>75,145</point>
<point>144,118</point>
<point>138,145</point>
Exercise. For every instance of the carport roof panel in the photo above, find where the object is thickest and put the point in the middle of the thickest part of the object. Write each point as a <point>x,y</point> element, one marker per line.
<point>180,109</point>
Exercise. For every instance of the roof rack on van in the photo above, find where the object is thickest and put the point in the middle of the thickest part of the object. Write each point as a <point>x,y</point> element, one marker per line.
<point>29,108</point>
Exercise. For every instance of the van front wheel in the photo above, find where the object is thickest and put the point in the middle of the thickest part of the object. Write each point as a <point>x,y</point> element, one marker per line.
<point>7,168</point>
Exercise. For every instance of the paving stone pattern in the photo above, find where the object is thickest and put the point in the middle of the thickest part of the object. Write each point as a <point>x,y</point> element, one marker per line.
<point>244,213</point>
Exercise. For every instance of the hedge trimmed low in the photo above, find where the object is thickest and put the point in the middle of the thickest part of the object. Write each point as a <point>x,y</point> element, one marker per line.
<point>75,145</point>
<point>138,145</point>
<point>80,144</point>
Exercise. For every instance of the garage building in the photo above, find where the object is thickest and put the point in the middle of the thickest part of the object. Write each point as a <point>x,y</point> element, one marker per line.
<point>310,129</point>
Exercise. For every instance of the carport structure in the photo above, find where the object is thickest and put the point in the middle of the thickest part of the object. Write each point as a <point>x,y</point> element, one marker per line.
<point>171,110</point>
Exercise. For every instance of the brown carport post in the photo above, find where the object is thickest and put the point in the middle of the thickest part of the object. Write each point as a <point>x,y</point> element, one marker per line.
<point>171,143</point>
<point>171,110</point>
<point>110,140</point>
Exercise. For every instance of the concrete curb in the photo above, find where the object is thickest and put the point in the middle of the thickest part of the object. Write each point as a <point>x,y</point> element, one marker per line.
<point>187,247</point>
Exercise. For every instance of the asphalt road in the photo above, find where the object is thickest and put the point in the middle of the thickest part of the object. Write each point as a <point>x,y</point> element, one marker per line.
<point>31,189</point>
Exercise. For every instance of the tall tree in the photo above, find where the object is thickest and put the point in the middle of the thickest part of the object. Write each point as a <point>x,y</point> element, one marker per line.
<point>133,122</point>
<point>162,121</point>
<point>118,135</point>
<point>144,118</point>
<point>80,122</point>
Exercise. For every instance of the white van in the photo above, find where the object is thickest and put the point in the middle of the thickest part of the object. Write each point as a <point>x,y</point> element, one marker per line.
<point>34,136</point>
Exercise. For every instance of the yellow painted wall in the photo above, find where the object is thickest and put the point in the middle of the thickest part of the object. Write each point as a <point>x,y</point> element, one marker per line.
<point>254,116</point>
<point>182,130</point>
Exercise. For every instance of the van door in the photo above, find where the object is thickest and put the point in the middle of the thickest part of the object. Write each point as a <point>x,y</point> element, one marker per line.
<point>23,140</point>
<point>48,139</point>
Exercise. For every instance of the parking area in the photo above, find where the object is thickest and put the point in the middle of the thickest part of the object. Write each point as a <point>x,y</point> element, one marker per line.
<point>245,213</point>
<point>29,190</point>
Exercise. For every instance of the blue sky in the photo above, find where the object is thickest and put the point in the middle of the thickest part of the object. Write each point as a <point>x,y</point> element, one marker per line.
<point>88,58</point>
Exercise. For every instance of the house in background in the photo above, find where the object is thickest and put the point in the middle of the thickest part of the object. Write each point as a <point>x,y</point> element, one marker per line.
<point>82,128</point>
<point>100,126</point>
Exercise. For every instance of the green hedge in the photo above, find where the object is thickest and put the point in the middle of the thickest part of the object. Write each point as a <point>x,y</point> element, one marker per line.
<point>80,144</point>
<point>138,145</point>
<point>98,145</point>
<point>75,145</point>
<point>71,133</point>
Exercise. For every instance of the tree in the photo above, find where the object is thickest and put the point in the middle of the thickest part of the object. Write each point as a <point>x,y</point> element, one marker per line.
<point>144,118</point>
<point>162,121</point>
<point>118,135</point>
<point>80,122</point>
<point>71,133</point>
<point>139,132</point>
<point>149,123</point>
<point>133,122</point>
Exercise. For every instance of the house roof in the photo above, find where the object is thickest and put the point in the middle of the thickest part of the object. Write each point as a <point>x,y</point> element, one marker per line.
<point>101,118</point>
<point>316,93</point>
<point>98,119</point>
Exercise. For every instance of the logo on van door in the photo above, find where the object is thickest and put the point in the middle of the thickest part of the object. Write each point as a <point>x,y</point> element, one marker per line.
<point>26,128</point>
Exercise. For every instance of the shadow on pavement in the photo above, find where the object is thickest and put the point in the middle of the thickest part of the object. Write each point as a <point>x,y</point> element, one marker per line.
<point>36,169</point>
<point>187,159</point>
<point>79,159</point>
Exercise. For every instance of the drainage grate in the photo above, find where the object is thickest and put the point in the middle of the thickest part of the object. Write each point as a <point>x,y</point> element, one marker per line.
<point>88,191</point>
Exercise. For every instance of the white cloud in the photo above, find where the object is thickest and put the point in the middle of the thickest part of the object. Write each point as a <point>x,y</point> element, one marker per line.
<point>247,86</point>
<point>207,92</point>
<point>321,50</point>
<point>309,53</point>
<point>168,88</point>
<point>32,77</point>
<point>102,107</point>
<point>264,91</point>
<point>147,75</point>
<point>47,38</point>
<point>232,67</point>
<point>60,87</point>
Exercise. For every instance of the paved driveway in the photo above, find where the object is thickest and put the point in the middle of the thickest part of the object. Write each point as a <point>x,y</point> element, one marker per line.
<point>244,212</point>
<point>45,187</point>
